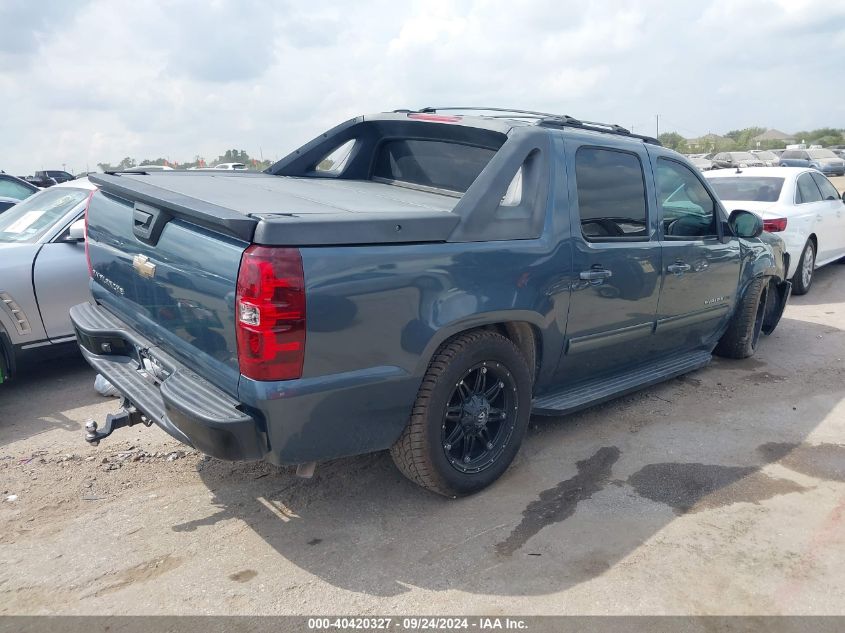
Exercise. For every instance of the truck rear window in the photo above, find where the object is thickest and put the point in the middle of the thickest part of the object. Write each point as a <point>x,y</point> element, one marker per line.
<point>429,163</point>
<point>748,188</point>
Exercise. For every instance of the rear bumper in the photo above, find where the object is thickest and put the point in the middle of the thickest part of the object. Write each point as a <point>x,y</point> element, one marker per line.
<point>165,391</point>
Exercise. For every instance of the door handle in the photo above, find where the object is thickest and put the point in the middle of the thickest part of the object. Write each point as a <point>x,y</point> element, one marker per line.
<point>678,268</point>
<point>595,274</point>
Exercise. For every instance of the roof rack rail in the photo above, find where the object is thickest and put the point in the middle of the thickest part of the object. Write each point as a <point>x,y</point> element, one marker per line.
<point>595,126</point>
<point>546,119</point>
<point>527,113</point>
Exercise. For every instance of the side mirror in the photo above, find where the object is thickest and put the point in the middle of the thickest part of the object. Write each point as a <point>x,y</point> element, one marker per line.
<point>76,232</point>
<point>745,223</point>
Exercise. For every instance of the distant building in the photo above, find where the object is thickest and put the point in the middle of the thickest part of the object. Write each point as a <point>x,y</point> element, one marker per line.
<point>773,135</point>
<point>704,143</point>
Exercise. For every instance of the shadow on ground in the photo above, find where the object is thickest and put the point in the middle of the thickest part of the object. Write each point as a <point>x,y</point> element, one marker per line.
<point>38,397</point>
<point>586,490</point>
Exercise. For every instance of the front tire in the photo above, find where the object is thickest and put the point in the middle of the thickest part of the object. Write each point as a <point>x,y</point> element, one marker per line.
<point>470,415</point>
<point>743,333</point>
<point>803,277</point>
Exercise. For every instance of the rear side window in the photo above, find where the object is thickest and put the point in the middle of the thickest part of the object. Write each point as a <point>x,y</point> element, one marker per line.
<point>828,190</point>
<point>611,194</point>
<point>335,161</point>
<point>427,163</point>
<point>807,191</point>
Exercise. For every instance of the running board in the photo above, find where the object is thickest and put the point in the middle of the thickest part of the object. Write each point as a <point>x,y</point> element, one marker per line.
<point>596,391</point>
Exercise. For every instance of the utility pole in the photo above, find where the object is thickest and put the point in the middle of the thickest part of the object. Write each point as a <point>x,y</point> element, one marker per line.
<point>656,126</point>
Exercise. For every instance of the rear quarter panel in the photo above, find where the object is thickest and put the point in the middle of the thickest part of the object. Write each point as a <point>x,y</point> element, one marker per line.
<point>394,305</point>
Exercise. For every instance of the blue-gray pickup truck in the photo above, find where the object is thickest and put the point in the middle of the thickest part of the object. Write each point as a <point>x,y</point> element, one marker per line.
<point>418,281</point>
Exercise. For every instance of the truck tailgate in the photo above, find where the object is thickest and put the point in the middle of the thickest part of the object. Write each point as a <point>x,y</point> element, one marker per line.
<point>177,290</point>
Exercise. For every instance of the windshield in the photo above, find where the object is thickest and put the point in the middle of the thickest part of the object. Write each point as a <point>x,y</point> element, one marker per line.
<point>29,220</point>
<point>742,156</point>
<point>757,189</point>
<point>766,156</point>
<point>821,153</point>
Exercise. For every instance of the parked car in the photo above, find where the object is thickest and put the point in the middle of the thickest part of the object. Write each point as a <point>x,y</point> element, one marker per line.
<point>839,152</point>
<point>452,275</point>
<point>42,273</point>
<point>13,190</point>
<point>823,160</point>
<point>800,205</point>
<point>726,160</point>
<point>768,158</point>
<point>42,182</point>
<point>49,178</point>
<point>147,168</point>
<point>702,164</point>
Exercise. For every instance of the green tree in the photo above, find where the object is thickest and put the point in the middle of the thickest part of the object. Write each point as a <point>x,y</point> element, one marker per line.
<point>821,136</point>
<point>232,156</point>
<point>742,138</point>
<point>673,140</point>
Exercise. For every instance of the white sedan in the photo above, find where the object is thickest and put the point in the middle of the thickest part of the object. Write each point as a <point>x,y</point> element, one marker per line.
<point>799,204</point>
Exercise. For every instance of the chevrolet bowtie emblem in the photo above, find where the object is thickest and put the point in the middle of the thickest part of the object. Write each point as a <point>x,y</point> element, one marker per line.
<point>143,265</point>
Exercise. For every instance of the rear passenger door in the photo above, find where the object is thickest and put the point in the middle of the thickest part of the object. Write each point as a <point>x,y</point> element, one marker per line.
<point>701,266</point>
<point>832,209</point>
<point>808,197</point>
<point>616,259</point>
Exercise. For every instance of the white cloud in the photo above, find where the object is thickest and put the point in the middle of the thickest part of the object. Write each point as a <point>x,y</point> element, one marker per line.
<point>86,82</point>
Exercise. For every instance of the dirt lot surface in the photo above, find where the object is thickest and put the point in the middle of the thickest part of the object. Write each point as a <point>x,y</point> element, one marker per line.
<point>722,492</point>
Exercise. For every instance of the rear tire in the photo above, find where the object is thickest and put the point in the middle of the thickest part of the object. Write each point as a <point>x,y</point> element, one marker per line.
<point>803,277</point>
<point>743,333</point>
<point>470,415</point>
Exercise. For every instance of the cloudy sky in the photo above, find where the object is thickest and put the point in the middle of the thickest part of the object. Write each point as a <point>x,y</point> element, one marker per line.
<point>87,82</point>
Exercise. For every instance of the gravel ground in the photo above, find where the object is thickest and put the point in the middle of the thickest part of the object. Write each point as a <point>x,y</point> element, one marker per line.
<point>722,492</point>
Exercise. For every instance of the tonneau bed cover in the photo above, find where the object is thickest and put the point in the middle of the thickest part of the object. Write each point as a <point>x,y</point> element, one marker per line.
<point>284,210</point>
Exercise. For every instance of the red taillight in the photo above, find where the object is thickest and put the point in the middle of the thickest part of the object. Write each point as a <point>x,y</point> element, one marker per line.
<point>775,225</point>
<point>438,118</point>
<point>270,313</point>
<point>87,254</point>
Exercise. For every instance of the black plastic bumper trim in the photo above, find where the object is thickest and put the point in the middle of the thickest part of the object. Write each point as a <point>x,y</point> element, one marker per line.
<point>182,403</point>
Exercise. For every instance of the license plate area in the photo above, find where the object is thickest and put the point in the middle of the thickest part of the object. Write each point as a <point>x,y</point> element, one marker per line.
<point>151,368</point>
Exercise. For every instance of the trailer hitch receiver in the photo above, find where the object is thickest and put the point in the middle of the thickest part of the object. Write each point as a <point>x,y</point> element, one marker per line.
<point>127,416</point>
